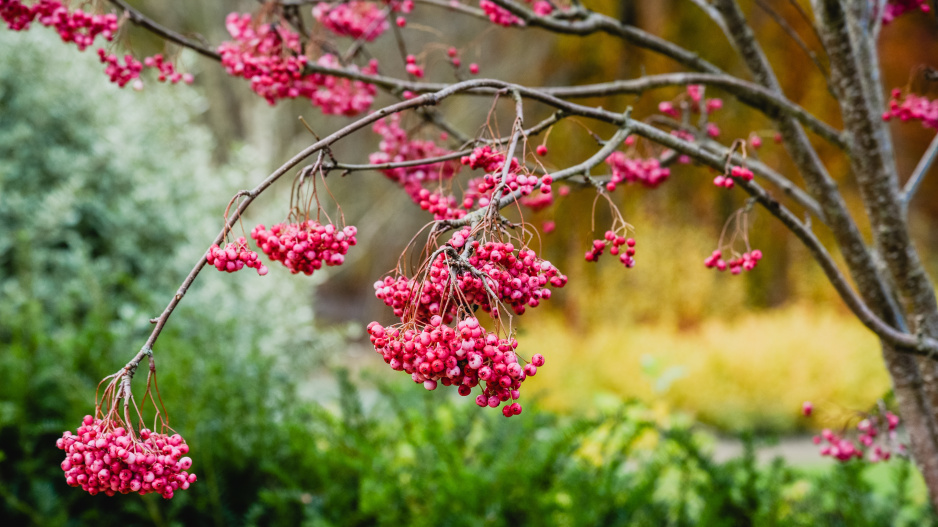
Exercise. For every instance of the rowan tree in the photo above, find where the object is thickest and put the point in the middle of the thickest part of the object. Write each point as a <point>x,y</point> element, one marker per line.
<point>477,265</point>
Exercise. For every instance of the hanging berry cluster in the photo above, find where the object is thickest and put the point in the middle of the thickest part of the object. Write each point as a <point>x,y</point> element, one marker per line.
<point>647,172</point>
<point>517,277</point>
<point>614,242</point>
<point>106,454</point>
<point>482,190</point>
<point>76,26</point>
<point>744,262</point>
<point>397,147</point>
<point>270,56</point>
<point>105,457</point>
<point>234,257</point>
<point>463,275</point>
<point>726,181</point>
<point>896,8</point>
<point>306,246</point>
<point>912,107</point>
<point>877,439</point>
<point>463,356</point>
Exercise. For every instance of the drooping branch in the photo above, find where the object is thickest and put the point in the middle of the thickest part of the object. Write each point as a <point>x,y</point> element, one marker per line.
<point>249,196</point>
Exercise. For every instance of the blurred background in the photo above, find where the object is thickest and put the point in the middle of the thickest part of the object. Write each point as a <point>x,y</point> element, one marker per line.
<point>108,197</point>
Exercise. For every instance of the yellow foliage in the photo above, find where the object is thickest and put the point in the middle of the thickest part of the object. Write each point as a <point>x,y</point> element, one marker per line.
<point>752,371</point>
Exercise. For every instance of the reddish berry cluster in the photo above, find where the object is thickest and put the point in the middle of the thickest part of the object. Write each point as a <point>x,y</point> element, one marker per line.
<point>269,55</point>
<point>698,103</point>
<point>118,73</point>
<point>843,449</point>
<point>103,457</point>
<point>518,279</point>
<point>542,8</point>
<point>412,68</point>
<point>499,15</point>
<point>304,247</point>
<point>338,96</point>
<point>121,74</point>
<point>895,8</point>
<point>397,147</point>
<point>755,141</point>
<point>465,356</point>
<point>542,199</point>
<point>167,70</point>
<point>616,241</point>
<point>234,257</point>
<point>359,20</point>
<point>913,107</point>
<point>648,172</point>
<point>736,172</point>
<point>482,190</point>
<point>745,262</point>
<point>76,26</point>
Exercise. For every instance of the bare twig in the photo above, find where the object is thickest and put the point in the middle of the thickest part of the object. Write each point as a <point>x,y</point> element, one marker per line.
<point>924,164</point>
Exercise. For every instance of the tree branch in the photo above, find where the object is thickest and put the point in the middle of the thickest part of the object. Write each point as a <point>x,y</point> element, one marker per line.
<point>147,23</point>
<point>924,164</point>
<point>908,343</point>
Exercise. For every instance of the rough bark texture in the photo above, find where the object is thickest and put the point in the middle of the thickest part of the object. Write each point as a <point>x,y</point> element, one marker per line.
<point>853,69</point>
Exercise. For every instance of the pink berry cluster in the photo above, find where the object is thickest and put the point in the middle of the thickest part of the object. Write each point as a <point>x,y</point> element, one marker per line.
<point>542,8</point>
<point>103,456</point>
<point>359,20</point>
<point>912,107</point>
<point>76,26</point>
<point>544,198</point>
<point>305,247</point>
<point>499,15</point>
<point>870,429</point>
<point>736,172</point>
<point>338,96</point>
<point>626,256</point>
<point>464,356</point>
<point>397,147</point>
<point>130,70</point>
<point>896,8</point>
<point>648,172</point>
<point>697,103</point>
<point>517,277</point>
<point>234,257</point>
<point>412,68</point>
<point>481,190</point>
<point>745,262</point>
<point>269,55</point>
<point>118,73</point>
<point>167,71</point>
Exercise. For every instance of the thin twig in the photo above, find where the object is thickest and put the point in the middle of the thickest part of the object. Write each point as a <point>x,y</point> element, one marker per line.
<point>918,175</point>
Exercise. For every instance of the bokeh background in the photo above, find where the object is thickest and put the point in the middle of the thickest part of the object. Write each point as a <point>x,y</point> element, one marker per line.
<point>108,196</point>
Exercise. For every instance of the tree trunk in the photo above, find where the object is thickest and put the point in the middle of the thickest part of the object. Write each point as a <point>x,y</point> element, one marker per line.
<point>918,414</point>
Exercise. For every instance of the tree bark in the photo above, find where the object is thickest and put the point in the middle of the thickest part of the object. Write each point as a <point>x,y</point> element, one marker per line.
<point>918,414</point>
